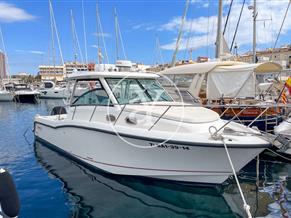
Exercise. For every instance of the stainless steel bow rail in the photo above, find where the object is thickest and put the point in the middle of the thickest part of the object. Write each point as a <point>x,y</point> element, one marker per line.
<point>268,119</point>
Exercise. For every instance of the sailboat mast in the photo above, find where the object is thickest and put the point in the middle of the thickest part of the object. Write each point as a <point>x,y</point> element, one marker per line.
<point>254,31</point>
<point>180,34</point>
<point>74,38</point>
<point>98,37</point>
<point>84,32</point>
<point>116,33</point>
<point>53,40</point>
<point>219,32</point>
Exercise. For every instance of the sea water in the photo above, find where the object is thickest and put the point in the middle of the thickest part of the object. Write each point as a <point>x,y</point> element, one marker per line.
<point>51,185</point>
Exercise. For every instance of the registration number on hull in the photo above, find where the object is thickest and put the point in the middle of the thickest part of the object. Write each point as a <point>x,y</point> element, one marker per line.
<point>169,146</point>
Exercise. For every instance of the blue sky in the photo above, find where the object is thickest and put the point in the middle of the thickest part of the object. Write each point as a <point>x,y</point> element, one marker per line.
<point>26,28</point>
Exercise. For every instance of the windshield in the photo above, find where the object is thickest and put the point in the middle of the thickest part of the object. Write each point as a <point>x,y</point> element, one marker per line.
<point>130,91</point>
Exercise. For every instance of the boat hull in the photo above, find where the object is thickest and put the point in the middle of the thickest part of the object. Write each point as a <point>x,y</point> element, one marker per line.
<point>52,94</point>
<point>179,162</point>
<point>6,96</point>
<point>26,98</point>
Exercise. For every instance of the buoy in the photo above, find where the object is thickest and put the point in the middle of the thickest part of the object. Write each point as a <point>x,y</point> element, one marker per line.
<point>9,200</point>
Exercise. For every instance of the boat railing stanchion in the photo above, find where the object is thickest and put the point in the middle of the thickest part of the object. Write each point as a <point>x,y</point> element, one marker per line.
<point>119,115</point>
<point>230,121</point>
<point>93,113</point>
<point>160,117</point>
<point>258,116</point>
<point>224,112</point>
<point>75,107</point>
<point>236,116</point>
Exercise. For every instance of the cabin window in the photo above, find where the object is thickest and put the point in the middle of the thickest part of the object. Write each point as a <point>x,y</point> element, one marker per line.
<point>95,96</point>
<point>48,85</point>
<point>130,90</point>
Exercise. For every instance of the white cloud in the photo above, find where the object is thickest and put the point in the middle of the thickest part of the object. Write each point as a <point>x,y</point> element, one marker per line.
<point>30,51</point>
<point>36,52</point>
<point>144,26</point>
<point>105,35</point>
<point>266,30</point>
<point>200,3</point>
<point>11,13</point>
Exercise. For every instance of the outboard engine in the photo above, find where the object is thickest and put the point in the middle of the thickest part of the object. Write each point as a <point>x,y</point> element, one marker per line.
<point>9,200</point>
<point>58,110</point>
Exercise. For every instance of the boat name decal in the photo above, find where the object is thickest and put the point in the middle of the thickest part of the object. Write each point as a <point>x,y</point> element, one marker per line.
<point>169,146</point>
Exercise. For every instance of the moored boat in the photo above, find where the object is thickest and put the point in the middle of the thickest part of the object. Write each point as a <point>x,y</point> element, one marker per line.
<point>50,90</point>
<point>235,90</point>
<point>6,95</point>
<point>24,94</point>
<point>127,124</point>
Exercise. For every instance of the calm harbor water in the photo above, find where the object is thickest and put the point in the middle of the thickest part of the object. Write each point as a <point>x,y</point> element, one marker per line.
<point>51,185</point>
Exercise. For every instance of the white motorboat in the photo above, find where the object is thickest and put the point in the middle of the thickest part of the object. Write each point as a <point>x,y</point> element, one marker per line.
<point>6,95</point>
<point>127,124</point>
<point>24,94</point>
<point>283,130</point>
<point>50,90</point>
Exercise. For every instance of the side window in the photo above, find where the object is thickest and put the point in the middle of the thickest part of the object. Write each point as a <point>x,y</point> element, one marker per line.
<point>95,96</point>
<point>128,91</point>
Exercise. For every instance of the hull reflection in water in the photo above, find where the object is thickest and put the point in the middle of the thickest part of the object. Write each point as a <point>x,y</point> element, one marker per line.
<point>98,194</point>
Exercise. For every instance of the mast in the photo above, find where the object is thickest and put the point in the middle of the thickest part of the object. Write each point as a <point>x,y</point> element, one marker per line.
<point>5,62</point>
<point>254,31</point>
<point>219,32</point>
<point>53,40</point>
<point>84,32</point>
<point>116,33</point>
<point>98,37</point>
<point>74,38</point>
<point>180,34</point>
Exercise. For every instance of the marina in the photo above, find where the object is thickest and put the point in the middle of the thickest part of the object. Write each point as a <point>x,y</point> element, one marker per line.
<point>99,130</point>
<point>61,187</point>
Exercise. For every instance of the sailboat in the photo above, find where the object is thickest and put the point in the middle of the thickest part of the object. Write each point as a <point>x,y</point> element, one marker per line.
<point>233,89</point>
<point>5,95</point>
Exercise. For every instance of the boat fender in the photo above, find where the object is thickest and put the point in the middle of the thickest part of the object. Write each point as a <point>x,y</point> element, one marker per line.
<point>9,200</point>
<point>58,110</point>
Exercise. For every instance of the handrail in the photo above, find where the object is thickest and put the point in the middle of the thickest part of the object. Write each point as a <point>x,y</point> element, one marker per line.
<point>93,113</point>
<point>215,133</point>
<point>258,116</point>
<point>119,115</point>
<point>205,106</point>
<point>74,112</point>
<point>160,117</point>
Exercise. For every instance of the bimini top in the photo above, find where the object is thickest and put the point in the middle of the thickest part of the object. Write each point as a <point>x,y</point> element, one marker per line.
<point>232,66</point>
<point>106,74</point>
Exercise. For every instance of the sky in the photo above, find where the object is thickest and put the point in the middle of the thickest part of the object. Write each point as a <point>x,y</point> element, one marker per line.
<point>149,29</point>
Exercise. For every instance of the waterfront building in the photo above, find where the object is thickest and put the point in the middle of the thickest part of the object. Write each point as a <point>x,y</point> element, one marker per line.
<point>58,72</point>
<point>279,55</point>
<point>49,72</point>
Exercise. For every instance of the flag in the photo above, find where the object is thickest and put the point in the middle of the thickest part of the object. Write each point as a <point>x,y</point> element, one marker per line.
<point>288,84</point>
<point>284,97</point>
